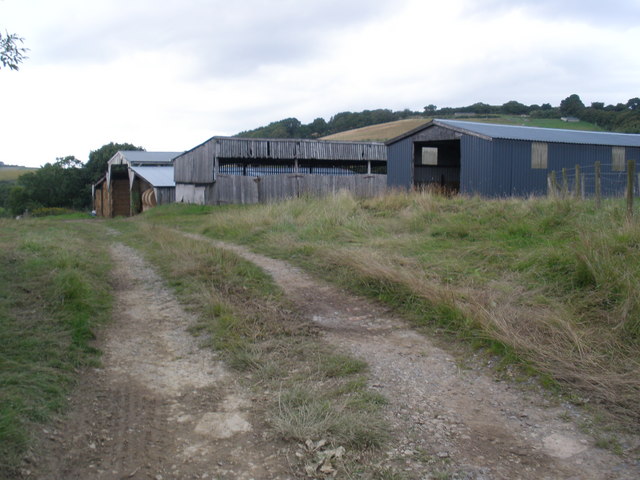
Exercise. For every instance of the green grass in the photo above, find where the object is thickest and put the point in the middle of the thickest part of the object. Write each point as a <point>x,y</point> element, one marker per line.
<point>52,296</point>
<point>549,284</point>
<point>537,122</point>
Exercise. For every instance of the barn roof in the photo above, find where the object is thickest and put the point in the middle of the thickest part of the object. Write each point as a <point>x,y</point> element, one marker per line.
<point>138,157</point>
<point>512,132</point>
<point>156,176</point>
<point>293,148</point>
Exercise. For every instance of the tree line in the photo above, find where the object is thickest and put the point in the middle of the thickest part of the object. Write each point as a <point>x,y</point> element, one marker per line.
<point>65,183</point>
<point>622,117</point>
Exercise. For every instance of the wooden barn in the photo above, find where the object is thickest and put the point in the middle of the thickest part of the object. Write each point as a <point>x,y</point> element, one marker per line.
<point>226,170</point>
<point>503,160</point>
<point>134,182</point>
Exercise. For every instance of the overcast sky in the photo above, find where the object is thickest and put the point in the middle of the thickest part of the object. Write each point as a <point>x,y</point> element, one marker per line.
<point>169,74</point>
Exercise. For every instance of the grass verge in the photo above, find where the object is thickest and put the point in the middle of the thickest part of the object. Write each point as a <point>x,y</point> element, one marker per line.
<point>53,293</point>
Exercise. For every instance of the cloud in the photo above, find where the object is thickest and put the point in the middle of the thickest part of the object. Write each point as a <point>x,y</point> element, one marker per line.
<point>224,38</point>
<point>611,13</point>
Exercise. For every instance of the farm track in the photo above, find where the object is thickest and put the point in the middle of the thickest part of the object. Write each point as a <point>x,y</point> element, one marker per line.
<point>162,408</point>
<point>460,422</point>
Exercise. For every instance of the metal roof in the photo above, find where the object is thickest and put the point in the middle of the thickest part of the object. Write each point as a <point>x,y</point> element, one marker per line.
<point>141,157</point>
<point>536,134</point>
<point>156,176</point>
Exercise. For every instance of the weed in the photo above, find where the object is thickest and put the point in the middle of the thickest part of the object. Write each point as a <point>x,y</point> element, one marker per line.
<point>609,443</point>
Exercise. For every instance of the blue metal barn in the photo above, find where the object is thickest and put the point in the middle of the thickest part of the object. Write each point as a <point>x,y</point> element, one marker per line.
<point>503,160</point>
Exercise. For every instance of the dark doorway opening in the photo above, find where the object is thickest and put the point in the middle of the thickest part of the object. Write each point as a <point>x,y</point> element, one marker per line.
<point>120,193</point>
<point>437,163</point>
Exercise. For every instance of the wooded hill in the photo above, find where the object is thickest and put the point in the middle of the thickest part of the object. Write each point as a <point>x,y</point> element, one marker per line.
<point>622,117</point>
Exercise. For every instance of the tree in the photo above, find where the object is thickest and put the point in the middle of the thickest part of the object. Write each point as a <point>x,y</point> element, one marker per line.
<point>633,103</point>
<point>430,109</point>
<point>11,54</point>
<point>572,105</point>
<point>514,108</point>
<point>59,184</point>
<point>96,167</point>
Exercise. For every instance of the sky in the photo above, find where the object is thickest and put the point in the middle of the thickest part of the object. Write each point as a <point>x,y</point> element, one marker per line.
<point>167,75</point>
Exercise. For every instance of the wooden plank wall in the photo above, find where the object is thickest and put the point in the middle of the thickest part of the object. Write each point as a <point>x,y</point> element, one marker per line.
<point>278,187</point>
<point>190,193</point>
<point>195,166</point>
<point>235,189</point>
<point>165,195</point>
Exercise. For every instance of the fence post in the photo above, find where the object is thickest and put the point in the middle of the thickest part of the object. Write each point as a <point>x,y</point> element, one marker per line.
<point>577,182</point>
<point>631,170</point>
<point>565,183</point>
<point>598,187</point>
<point>552,184</point>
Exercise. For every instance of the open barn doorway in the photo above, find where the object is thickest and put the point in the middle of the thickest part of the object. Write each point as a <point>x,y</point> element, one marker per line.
<point>437,163</point>
<point>120,191</point>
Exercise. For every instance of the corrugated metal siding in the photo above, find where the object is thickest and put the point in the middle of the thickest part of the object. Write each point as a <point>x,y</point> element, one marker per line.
<point>476,166</point>
<point>513,174</point>
<point>400,164</point>
<point>567,156</point>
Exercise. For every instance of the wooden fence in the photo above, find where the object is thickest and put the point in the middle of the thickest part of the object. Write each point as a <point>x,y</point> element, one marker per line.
<point>236,189</point>
<point>582,182</point>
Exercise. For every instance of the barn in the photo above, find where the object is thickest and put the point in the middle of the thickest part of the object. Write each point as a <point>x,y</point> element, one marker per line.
<point>225,170</point>
<point>503,160</point>
<point>134,182</point>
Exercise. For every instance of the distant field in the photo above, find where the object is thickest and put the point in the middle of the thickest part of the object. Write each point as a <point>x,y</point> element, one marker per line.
<point>537,122</point>
<point>386,131</point>
<point>12,173</point>
<point>380,132</point>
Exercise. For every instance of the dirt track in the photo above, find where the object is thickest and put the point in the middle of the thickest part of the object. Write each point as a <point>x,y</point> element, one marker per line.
<point>162,408</point>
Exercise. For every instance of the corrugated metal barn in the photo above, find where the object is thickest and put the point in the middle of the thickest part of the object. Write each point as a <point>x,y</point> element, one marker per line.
<point>245,170</point>
<point>135,181</point>
<point>503,160</point>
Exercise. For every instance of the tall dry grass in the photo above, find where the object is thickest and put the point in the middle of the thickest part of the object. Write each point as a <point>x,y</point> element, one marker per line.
<point>552,282</point>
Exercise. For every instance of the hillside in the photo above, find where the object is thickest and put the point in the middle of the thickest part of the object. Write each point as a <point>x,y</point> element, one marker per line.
<point>622,117</point>
<point>12,173</point>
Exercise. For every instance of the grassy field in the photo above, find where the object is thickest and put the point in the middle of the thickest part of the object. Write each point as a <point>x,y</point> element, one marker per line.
<point>380,132</point>
<point>53,294</point>
<point>386,131</point>
<point>549,284</point>
<point>11,174</point>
